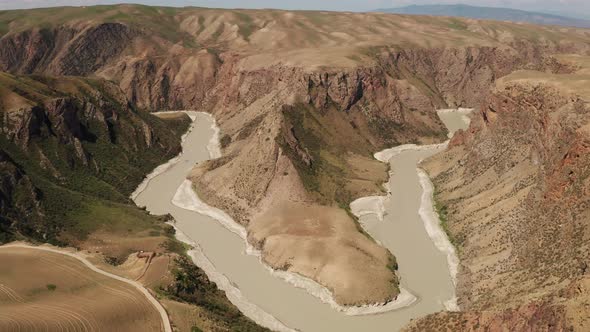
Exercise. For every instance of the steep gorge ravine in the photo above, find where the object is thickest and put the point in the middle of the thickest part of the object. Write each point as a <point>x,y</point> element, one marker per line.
<point>296,110</point>
<point>260,294</point>
<point>72,149</point>
<point>514,189</point>
<point>249,181</point>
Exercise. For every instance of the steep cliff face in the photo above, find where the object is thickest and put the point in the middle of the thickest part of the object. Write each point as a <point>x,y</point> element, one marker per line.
<point>302,99</point>
<point>64,50</point>
<point>515,189</point>
<point>19,200</point>
<point>70,134</point>
<point>191,56</point>
<point>71,151</point>
<point>313,145</point>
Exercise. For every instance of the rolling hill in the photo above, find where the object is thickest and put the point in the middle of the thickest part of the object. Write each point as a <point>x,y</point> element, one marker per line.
<point>489,13</point>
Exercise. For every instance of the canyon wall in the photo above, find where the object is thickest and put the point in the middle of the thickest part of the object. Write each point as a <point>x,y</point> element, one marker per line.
<point>70,135</point>
<point>514,188</point>
<point>300,114</point>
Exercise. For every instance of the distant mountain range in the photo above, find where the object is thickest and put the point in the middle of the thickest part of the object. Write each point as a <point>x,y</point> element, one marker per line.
<point>490,13</point>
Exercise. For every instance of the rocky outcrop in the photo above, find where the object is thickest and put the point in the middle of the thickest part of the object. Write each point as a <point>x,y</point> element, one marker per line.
<point>299,108</point>
<point>516,194</point>
<point>19,201</point>
<point>64,50</point>
<point>71,137</point>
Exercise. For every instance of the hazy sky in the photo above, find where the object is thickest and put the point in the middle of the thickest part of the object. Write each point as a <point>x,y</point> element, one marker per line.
<point>579,7</point>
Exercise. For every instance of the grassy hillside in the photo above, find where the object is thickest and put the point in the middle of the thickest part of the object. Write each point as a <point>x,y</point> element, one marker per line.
<point>71,152</point>
<point>84,150</point>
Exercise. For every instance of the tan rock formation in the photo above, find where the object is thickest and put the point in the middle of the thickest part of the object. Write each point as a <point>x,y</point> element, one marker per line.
<point>300,97</point>
<point>515,190</point>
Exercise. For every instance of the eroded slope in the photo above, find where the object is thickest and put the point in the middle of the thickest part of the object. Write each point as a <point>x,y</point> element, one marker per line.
<point>302,99</point>
<point>515,191</point>
<point>72,149</point>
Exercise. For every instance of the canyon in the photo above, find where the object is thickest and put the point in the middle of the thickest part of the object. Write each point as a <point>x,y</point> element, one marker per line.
<point>513,188</point>
<point>303,100</point>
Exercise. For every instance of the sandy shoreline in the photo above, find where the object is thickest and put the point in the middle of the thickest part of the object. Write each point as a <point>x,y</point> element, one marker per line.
<point>375,205</point>
<point>186,198</point>
<point>440,239</point>
<point>233,293</point>
<point>164,167</point>
<point>464,112</point>
<point>235,296</point>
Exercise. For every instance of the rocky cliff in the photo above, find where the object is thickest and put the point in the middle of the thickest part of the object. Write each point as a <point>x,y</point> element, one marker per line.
<point>332,123</point>
<point>19,200</point>
<point>70,134</point>
<point>71,151</point>
<point>302,99</point>
<point>514,188</point>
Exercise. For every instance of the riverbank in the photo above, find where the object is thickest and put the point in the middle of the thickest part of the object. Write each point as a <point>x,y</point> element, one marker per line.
<point>401,231</point>
<point>432,224</point>
<point>454,119</point>
<point>234,295</point>
<point>197,255</point>
<point>186,198</point>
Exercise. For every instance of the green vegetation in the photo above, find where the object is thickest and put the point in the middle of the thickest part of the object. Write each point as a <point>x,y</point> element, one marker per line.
<point>441,210</point>
<point>317,18</point>
<point>443,216</point>
<point>175,246</point>
<point>191,285</point>
<point>354,57</point>
<point>61,193</point>
<point>457,24</point>
<point>218,162</point>
<point>249,128</point>
<point>388,129</point>
<point>321,143</point>
<point>318,143</point>
<point>393,267</point>
<point>159,20</point>
<point>76,191</point>
<point>225,141</point>
<point>4,28</point>
<point>324,172</point>
<point>246,26</point>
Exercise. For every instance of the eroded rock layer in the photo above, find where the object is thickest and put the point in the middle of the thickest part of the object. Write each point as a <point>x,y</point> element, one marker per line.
<point>303,99</point>
<point>514,190</point>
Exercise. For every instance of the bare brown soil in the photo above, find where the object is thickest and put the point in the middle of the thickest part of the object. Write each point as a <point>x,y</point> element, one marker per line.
<point>515,190</point>
<point>368,81</point>
<point>52,292</point>
<point>302,238</point>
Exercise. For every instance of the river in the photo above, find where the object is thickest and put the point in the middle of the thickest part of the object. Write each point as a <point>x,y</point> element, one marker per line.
<point>275,303</point>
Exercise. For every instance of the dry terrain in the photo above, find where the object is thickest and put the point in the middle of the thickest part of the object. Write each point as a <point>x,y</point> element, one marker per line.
<point>299,96</point>
<point>72,150</point>
<point>303,99</point>
<point>48,291</point>
<point>514,189</point>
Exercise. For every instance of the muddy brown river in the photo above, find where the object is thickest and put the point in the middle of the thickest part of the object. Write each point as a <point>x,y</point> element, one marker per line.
<point>401,224</point>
